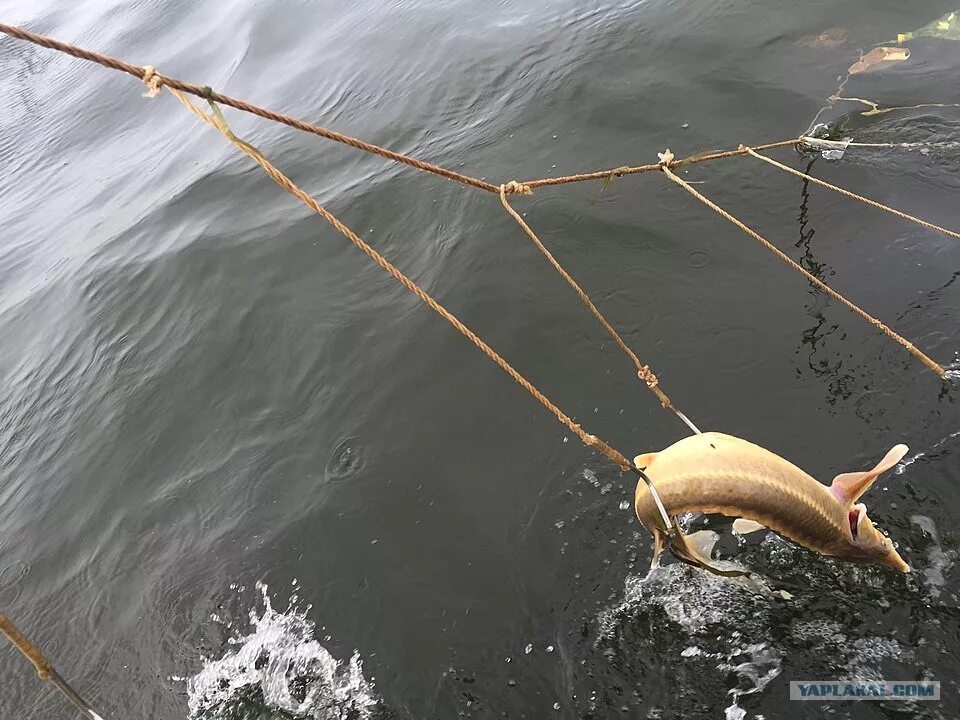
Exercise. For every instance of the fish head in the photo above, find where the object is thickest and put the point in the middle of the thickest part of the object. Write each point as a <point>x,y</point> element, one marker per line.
<point>871,544</point>
<point>868,543</point>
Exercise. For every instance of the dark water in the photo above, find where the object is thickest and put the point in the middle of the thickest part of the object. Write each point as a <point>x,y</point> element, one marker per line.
<point>205,388</point>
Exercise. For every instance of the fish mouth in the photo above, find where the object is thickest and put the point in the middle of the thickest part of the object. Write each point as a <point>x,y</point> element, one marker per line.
<point>853,517</point>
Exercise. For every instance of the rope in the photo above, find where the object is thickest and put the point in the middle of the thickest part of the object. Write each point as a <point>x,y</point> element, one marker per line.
<point>155,80</point>
<point>628,170</point>
<point>26,648</point>
<point>592,441</point>
<point>44,670</point>
<point>861,198</point>
<point>809,276</point>
<point>283,181</point>
<point>643,371</point>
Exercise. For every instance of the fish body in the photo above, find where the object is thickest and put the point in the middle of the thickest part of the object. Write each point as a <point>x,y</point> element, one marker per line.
<point>717,473</point>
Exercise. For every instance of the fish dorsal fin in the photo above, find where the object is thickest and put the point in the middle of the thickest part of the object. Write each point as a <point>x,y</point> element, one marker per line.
<point>645,460</point>
<point>848,487</point>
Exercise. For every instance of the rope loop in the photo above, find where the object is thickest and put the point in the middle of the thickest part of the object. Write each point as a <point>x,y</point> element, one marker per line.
<point>152,80</point>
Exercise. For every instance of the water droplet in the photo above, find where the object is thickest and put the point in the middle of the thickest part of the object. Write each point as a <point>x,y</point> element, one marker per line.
<point>625,505</point>
<point>549,648</point>
<point>528,649</point>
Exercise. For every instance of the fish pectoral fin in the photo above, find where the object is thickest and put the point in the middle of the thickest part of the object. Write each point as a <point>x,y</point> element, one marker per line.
<point>695,549</point>
<point>743,526</point>
<point>848,487</point>
<point>645,460</point>
<point>703,542</point>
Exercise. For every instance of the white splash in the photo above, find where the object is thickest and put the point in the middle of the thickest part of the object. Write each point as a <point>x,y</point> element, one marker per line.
<point>281,660</point>
<point>903,464</point>
<point>938,560</point>
<point>762,665</point>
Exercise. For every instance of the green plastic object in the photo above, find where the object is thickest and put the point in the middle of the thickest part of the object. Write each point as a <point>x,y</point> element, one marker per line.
<point>946,28</point>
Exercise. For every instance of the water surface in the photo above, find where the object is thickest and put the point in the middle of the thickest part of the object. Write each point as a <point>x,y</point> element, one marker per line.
<point>211,402</point>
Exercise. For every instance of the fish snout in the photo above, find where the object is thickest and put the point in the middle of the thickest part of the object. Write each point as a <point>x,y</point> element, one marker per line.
<point>892,559</point>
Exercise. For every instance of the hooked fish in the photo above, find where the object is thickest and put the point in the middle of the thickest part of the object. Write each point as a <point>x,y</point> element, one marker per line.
<point>717,473</point>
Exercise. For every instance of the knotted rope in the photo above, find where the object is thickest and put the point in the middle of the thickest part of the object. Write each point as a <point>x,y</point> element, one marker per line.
<point>646,375</point>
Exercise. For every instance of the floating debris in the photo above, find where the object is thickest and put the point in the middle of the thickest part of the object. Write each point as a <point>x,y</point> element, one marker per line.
<point>946,27</point>
<point>832,38</point>
<point>879,58</point>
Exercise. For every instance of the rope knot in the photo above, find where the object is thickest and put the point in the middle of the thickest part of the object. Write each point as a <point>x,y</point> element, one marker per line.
<point>516,188</point>
<point>152,80</point>
<point>666,158</point>
<point>647,376</point>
